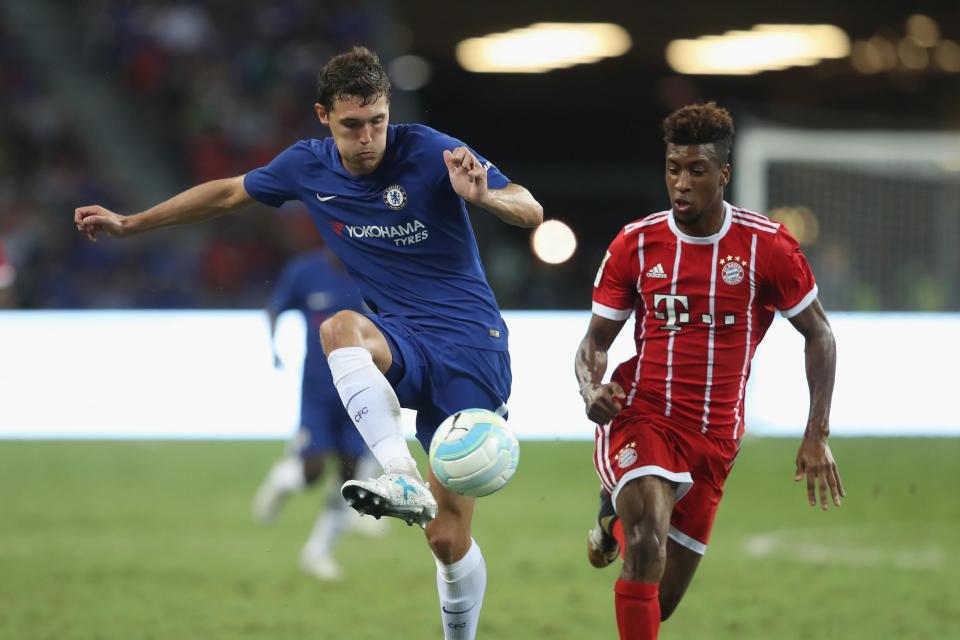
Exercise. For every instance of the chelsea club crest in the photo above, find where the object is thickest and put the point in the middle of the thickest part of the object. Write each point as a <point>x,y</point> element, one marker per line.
<point>395,197</point>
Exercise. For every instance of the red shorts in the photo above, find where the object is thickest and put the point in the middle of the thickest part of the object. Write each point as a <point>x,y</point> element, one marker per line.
<point>632,446</point>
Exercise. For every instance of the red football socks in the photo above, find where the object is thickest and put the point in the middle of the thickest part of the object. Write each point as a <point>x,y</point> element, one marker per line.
<point>638,609</point>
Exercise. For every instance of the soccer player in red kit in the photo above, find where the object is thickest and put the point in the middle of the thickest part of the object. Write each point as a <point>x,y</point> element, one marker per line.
<point>704,280</point>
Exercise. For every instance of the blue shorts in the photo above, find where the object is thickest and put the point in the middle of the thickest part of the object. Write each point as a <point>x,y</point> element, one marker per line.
<point>324,424</point>
<point>437,378</point>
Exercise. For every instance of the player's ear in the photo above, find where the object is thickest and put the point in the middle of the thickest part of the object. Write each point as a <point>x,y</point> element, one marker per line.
<point>725,175</point>
<point>322,113</point>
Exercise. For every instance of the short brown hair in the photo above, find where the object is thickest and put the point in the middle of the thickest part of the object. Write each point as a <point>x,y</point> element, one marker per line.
<point>703,123</point>
<point>354,74</point>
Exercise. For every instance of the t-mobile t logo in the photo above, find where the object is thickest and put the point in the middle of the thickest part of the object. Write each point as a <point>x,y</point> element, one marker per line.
<point>673,315</point>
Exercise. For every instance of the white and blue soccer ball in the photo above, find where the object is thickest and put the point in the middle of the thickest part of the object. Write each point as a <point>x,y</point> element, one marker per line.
<point>474,453</point>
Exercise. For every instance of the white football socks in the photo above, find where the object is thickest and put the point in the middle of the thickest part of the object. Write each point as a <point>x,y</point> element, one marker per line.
<point>373,406</point>
<point>286,475</point>
<point>461,586</point>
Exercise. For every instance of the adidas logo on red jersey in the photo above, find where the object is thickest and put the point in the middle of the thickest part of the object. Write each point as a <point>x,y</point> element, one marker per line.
<point>657,272</point>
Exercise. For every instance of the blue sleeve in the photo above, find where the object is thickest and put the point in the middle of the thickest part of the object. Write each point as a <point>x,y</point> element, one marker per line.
<point>284,294</point>
<point>276,182</point>
<point>495,179</point>
<point>441,142</point>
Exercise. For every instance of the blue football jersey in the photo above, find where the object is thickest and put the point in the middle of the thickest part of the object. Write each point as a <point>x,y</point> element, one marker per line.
<point>317,287</point>
<point>401,231</point>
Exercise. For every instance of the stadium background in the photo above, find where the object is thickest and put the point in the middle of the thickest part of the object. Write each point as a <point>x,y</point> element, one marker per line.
<point>125,103</point>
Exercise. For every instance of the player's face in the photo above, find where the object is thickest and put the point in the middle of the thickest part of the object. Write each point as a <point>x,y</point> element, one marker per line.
<point>695,181</point>
<point>359,130</point>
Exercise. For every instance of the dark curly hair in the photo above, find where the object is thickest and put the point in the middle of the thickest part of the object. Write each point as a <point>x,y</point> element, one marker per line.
<point>356,73</point>
<point>704,123</point>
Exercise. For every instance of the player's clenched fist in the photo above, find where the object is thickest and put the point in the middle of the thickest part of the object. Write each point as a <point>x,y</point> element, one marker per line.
<point>467,176</point>
<point>603,402</point>
<point>93,219</point>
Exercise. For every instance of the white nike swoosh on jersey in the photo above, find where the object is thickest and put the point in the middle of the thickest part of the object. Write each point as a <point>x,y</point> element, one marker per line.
<point>324,198</point>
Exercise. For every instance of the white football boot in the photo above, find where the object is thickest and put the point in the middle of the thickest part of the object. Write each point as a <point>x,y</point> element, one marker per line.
<point>396,495</point>
<point>322,567</point>
<point>602,547</point>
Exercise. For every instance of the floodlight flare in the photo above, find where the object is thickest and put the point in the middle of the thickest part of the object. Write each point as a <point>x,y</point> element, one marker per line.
<point>553,242</point>
<point>766,47</point>
<point>542,47</point>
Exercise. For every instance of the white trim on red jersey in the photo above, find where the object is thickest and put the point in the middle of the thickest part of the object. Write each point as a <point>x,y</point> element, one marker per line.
<point>754,220</point>
<point>683,479</point>
<point>737,416</point>
<point>756,217</point>
<point>673,334</point>
<point>653,218</point>
<point>747,222</point>
<point>686,541</point>
<point>710,338</point>
<point>601,458</point>
<point>805,302</point>
<point>643,325</point>
<point>610,313</point>
<point>727,221</point>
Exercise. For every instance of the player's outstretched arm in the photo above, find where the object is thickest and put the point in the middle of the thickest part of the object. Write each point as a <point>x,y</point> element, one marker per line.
<point>602,401</point>
<point>513,204</point>
<point>202,202</point>
<point>814,459</point>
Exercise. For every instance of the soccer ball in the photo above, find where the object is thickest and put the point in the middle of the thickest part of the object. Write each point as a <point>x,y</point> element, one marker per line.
<point>474,453</point>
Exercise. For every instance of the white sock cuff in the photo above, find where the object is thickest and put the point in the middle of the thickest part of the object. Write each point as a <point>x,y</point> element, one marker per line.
<point>346,360</point>
<point>462,567</point>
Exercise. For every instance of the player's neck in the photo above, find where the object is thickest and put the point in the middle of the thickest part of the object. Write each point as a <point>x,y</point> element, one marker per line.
<point>707,224</point>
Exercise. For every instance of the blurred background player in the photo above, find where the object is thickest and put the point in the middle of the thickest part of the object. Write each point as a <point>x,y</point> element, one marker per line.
<point>705,279</point>
<point>316,285</point>
<point>390,202</point>
<point>8,279</point>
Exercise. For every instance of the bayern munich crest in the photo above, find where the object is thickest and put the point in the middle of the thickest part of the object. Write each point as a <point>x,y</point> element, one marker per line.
<point>627,456</point>
<point>731,269</point>
<point>395,197</point>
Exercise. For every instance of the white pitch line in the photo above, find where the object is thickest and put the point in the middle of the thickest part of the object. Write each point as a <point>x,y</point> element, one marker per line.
<point>793,546</point>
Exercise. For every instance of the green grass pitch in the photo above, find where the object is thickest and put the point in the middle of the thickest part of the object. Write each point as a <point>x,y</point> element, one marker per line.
<point>130,540</point>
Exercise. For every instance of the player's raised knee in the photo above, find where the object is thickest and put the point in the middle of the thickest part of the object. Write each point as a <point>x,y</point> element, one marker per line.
<point>447,541</point>
<point>342,329</point>
<point>643,541</point>
<point>645,554</point>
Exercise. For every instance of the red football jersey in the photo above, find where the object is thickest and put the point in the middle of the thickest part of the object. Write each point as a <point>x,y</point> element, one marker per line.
<point>702,306</point>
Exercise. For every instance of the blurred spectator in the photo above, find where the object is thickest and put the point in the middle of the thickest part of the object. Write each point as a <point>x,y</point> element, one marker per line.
<point>8,278</point>
<point>219,91</point>
<point>228,85</point>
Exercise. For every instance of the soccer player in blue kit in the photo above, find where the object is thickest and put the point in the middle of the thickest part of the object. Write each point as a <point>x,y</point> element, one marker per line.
<point>389,202</point>
<point>316,285</point>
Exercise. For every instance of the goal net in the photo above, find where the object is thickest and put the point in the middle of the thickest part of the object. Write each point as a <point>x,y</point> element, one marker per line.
<point>877,212</point>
